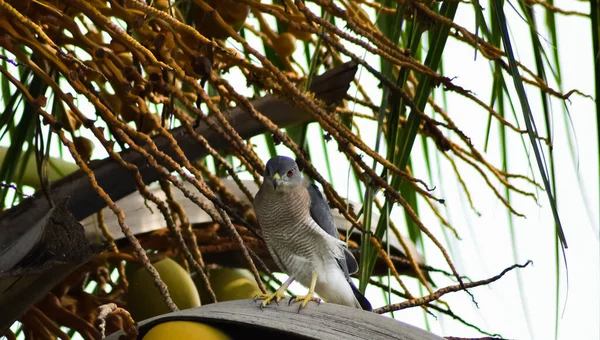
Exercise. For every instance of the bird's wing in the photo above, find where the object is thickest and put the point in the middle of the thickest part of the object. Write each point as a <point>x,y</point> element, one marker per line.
<point>321,213</point>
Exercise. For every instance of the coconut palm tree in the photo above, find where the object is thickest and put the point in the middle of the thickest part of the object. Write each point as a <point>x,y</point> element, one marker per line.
<point>134,136</point>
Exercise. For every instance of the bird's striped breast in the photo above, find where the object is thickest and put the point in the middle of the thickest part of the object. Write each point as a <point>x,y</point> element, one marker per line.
<point>286,225</point>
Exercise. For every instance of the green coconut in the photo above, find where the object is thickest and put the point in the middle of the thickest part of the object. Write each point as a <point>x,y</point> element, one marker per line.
<point>228,284</point>
<point>143,297</point>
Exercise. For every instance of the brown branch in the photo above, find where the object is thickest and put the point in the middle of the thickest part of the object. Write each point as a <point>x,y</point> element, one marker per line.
<point>448,311</point>
<point>130,327</point>
<point>439,293</point>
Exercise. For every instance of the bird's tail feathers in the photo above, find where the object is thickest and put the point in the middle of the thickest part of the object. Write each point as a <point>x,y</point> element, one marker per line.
<point>362,300</point>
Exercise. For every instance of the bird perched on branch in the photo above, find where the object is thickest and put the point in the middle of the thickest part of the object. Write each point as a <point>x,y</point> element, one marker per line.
<point>302,238</point>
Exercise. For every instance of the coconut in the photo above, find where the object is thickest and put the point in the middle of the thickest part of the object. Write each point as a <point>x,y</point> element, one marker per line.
<point>144,299</point>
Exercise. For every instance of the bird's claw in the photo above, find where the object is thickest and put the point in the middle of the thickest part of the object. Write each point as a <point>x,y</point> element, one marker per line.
<point>267,298</point>
<point>305,300</point>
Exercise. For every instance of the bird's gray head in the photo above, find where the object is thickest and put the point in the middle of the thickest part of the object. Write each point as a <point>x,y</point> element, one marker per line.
<point>282,174</point>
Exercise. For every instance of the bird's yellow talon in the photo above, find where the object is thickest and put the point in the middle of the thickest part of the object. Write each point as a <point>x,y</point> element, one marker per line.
<point>308,297</point>
<point>305,300</point>
<point>278,295</point>
<point>268,298</point>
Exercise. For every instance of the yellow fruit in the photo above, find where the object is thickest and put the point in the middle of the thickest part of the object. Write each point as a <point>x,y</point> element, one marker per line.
<point>129,113</point>
<point>148,123</point>
<point>84,147</point>
<point>162,5</point>
<point>184,330</point>
<point>143,298</point>
<point>70,121</point>
<point>285,44</point>
<point>116,47</point>
<point>301,35</point>
<point>229,284</point>
<point>233,13</point>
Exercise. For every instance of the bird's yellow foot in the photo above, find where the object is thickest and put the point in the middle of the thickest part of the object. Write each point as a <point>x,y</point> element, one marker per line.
<point>308,297</point>
<point>267,298</point>
<point>280,293</point>
<point>305,300</point>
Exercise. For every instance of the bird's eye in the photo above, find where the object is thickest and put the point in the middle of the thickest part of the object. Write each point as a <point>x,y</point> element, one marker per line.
<point>290,173</point>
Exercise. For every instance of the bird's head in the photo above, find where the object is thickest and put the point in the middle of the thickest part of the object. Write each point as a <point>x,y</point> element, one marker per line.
<point>282,174</point>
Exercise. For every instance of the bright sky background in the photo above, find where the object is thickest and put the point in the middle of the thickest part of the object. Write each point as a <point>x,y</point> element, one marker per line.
<point>486,248</point>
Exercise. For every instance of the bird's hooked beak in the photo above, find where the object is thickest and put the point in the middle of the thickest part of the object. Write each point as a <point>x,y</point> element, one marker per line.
<point>276,180</point>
